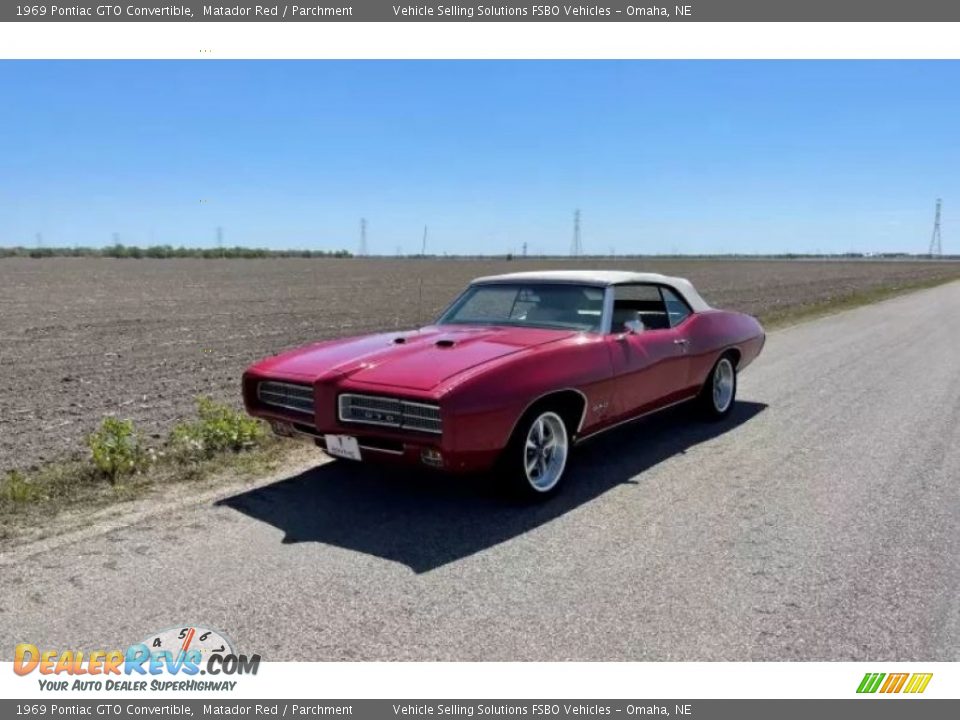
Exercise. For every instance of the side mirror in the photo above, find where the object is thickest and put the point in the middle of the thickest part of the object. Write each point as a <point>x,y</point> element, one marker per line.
<point>635,326</point>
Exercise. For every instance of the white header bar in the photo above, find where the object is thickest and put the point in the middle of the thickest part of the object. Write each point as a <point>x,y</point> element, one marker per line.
<point>252,40</point>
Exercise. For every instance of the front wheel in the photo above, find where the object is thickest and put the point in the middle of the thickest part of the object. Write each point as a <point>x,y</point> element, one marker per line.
<point>720,390</point>
<point>536,458</point>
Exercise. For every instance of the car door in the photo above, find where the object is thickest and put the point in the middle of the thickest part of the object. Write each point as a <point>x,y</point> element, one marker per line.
<point>650,361</point>
<point>677,313</point>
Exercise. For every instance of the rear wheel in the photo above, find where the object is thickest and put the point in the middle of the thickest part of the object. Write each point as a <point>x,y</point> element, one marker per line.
<point>536,458</point>
<point>720,391</point>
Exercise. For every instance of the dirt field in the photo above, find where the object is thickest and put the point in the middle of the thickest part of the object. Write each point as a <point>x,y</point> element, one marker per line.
<point>83,338</point>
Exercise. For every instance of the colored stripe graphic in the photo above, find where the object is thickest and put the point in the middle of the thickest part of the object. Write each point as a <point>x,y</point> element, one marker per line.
<point>918,682</point>
<point>895,682</point>
<point>870,682</point>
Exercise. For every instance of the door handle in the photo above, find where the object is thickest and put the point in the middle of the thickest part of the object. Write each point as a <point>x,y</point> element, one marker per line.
<point>681,341</point>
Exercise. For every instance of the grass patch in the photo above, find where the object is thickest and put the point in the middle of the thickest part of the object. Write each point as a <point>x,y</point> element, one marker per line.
<point>121,467</point>
<point>117,450</point>
<point>790,315</point>
<point>217,429</point>
<point>17,489</point>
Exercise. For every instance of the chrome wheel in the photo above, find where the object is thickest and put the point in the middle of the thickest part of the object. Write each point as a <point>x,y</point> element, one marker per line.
<point>545,452</point>
<point>723,385</point>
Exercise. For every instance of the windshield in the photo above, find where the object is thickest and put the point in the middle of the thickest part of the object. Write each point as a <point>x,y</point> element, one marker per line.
<point>563,306</point>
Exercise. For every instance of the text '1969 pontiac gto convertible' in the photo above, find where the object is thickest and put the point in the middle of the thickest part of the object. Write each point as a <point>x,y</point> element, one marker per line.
<point>518,370</point>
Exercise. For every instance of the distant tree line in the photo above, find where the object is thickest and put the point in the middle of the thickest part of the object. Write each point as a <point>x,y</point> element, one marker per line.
<point>166,251</point>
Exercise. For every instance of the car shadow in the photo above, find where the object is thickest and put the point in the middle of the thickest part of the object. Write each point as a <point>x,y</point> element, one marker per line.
<point>426,520</point>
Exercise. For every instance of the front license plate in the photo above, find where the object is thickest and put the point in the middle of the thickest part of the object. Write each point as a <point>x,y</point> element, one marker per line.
<point>343,446</point>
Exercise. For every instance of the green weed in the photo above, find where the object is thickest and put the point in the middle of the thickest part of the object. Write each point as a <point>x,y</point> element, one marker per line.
<point>117,449</point>
<point>218,429</point>
<point>17,489</point>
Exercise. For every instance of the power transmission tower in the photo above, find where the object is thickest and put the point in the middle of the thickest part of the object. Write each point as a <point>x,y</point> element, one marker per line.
<point>363,237</point>
<point>576,247</point>
<point>936,244</point>
<point>220,240</point>
<point>116,238</point>
<point>39,240</point>
<point>423,247</point>
<point>524,249</point>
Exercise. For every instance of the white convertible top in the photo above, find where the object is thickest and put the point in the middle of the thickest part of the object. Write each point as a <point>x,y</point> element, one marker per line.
<point>682,286</point>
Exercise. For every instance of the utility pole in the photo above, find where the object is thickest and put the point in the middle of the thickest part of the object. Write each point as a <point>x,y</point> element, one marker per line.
<point>363,237</point>
<point>576,247</point>
<point>423,247</point>
<point>936,242</point>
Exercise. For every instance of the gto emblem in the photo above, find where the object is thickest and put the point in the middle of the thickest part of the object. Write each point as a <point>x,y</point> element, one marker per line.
<point>369,415</point>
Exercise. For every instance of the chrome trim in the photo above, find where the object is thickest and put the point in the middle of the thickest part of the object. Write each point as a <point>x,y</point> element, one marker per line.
<point>586,406</point>
<point>453,302</point>
<point>660,288</point>
<point>413,416</point>
<point>474,284</point>
<point>724,384</point>
<point>606,320</point>
<point>406,402</point>
<point>322,436</point>
<point>342,419</point>
<point>380,450</point>
<point>549,457</point>
<point>295,386</point>
<point>401,403</point>
<point>681,298</point>
<point>634,419</point>
<point>583,415</point>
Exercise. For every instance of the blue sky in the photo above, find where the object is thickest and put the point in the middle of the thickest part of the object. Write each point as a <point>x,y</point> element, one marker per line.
<point>660,156</point>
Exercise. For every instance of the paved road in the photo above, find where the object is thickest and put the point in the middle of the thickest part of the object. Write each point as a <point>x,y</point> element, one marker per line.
<point>822,521</point>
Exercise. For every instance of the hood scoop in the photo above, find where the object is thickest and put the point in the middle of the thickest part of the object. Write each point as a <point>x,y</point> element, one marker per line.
<point>399,340</point>
<point>445,343</point>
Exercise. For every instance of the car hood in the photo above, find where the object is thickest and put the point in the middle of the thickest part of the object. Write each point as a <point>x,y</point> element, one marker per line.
<point>417,360</point>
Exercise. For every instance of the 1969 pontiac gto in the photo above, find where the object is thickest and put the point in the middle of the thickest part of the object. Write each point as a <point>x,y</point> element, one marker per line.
<point>518,370</point>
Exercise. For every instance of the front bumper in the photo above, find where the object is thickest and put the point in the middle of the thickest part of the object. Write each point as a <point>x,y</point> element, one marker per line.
<point>446,451</point>
<point>425,452</point>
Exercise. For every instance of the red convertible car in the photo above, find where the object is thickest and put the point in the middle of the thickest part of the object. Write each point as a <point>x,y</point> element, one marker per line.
<point>518,370</point>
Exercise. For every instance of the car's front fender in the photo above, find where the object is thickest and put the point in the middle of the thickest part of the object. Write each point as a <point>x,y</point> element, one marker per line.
<point>484,409</point>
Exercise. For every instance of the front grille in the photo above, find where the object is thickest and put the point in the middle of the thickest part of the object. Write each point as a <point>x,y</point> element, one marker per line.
<point>286,395</point>
<point>390,412</point>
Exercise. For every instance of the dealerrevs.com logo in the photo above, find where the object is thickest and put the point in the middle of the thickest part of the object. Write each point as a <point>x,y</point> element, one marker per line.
<point>912,683</point>
<point>168,660</point>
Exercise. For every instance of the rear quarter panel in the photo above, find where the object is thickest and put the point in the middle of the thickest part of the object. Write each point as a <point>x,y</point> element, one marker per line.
<point>716,331</point>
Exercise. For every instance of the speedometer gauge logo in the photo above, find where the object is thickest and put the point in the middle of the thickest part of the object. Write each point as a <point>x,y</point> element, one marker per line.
<point>177,641</point>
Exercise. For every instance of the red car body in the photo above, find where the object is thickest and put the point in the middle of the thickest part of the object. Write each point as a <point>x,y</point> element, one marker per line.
<point>481,379</point>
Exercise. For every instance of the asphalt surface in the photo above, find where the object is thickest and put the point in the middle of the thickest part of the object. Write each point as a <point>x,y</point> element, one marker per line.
<point>820,522</point>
